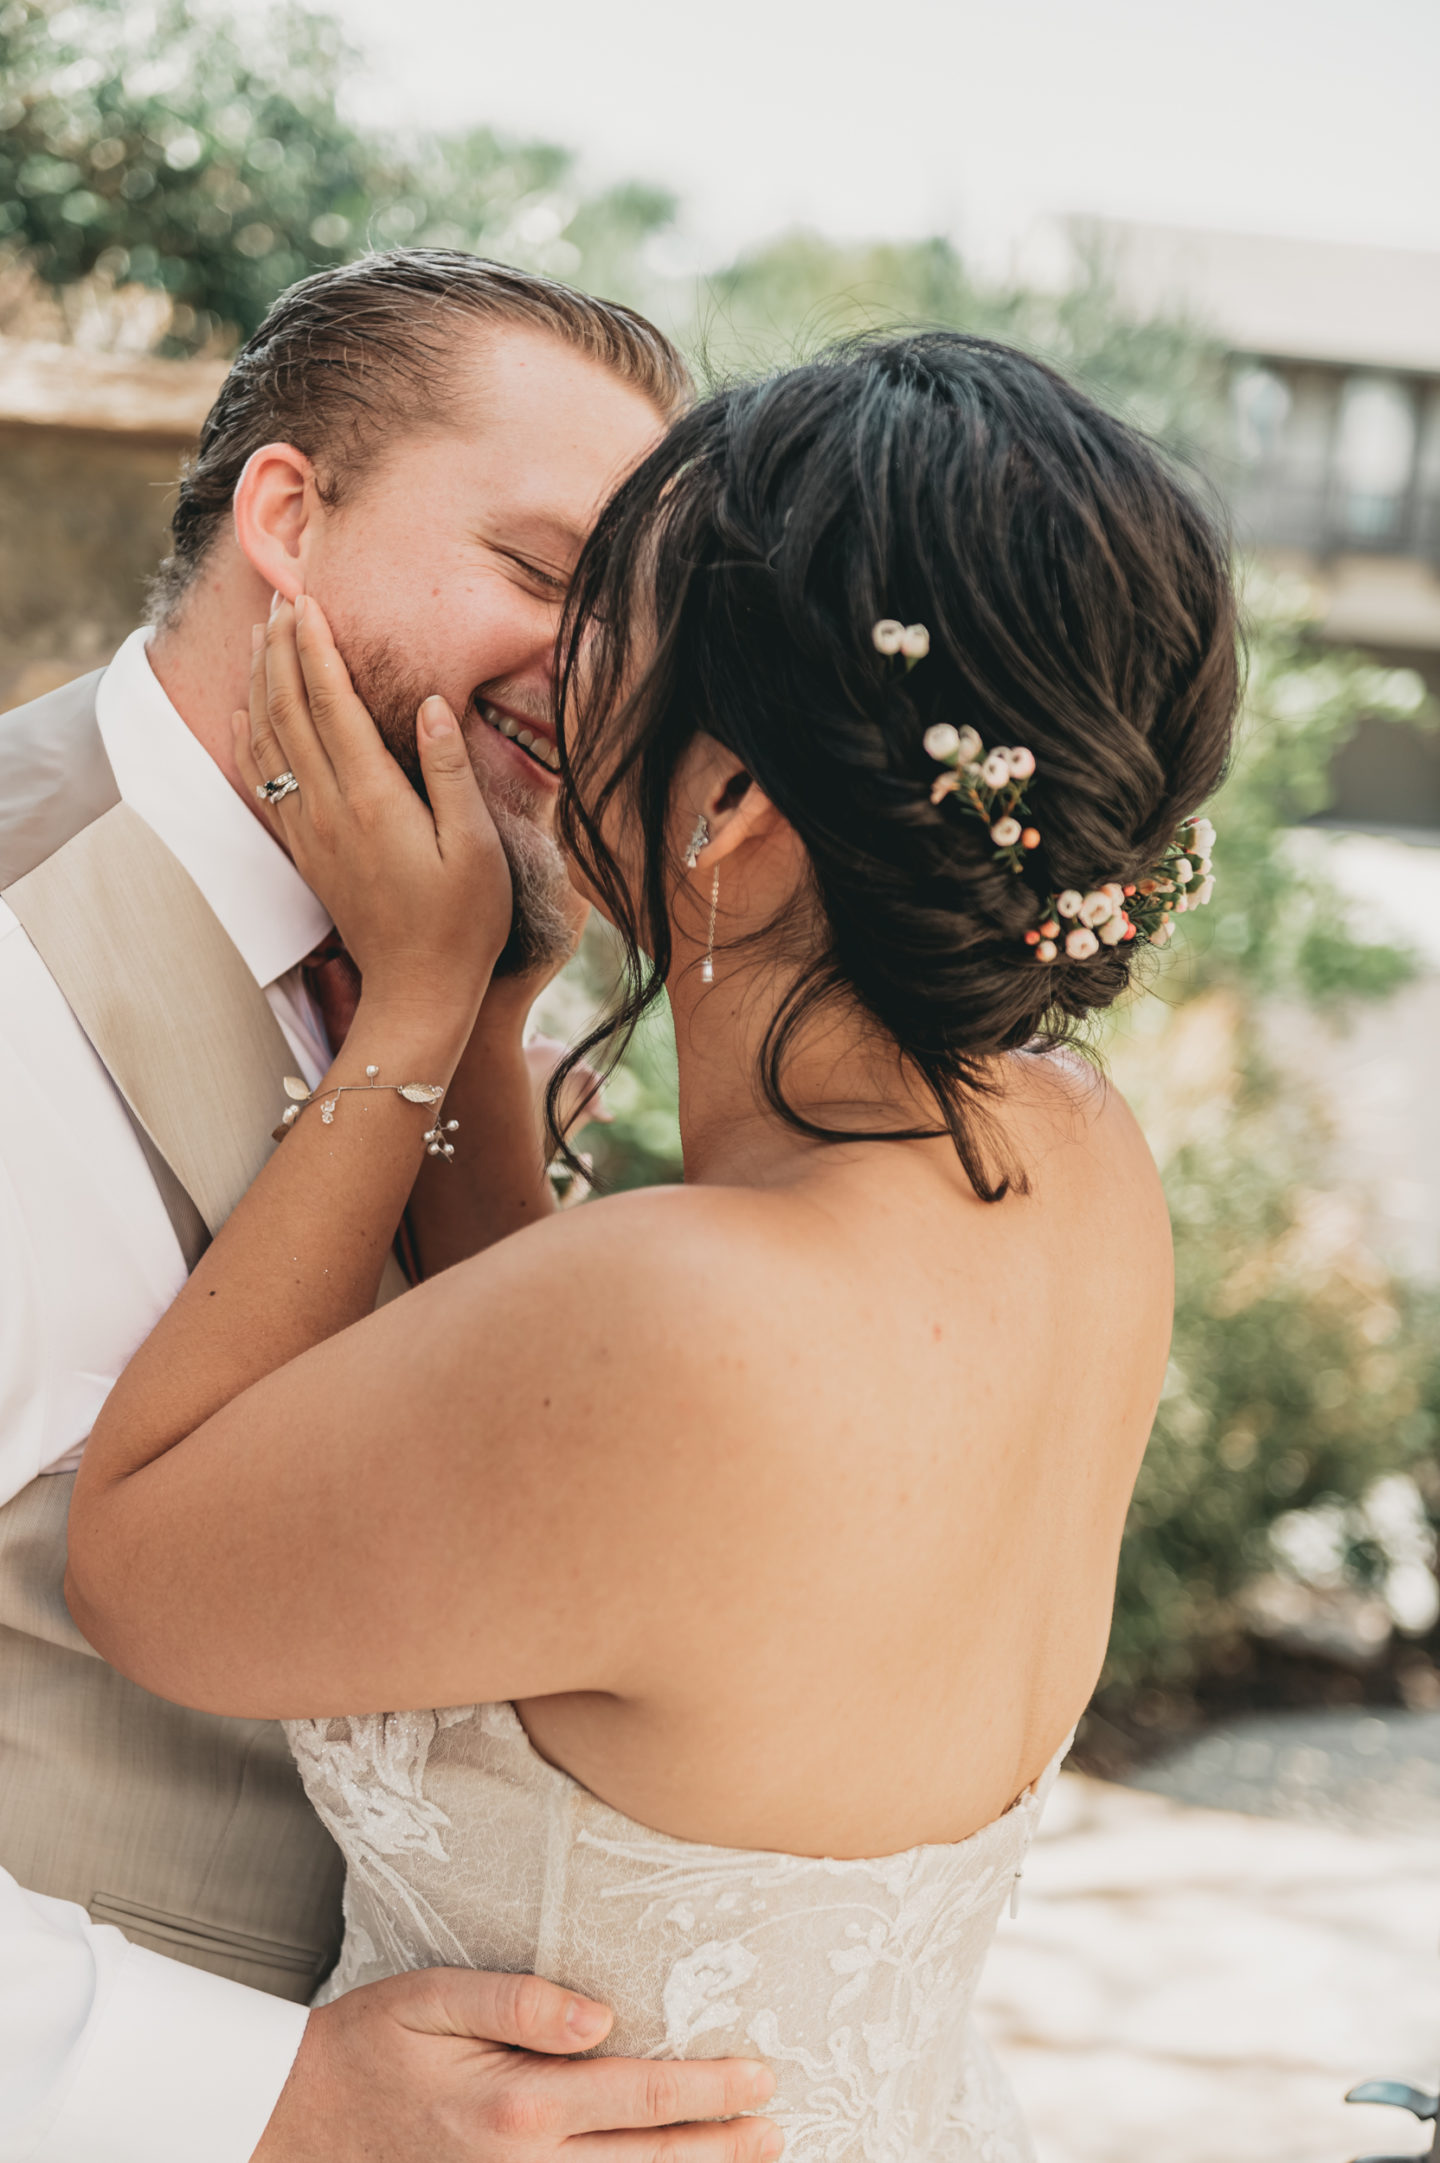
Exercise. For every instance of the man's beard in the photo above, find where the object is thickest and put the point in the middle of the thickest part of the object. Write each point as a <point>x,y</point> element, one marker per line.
<point>541,933</point>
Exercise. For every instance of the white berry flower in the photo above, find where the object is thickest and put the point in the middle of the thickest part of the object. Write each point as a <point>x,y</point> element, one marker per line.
<point>1203,892</point>
<point>915,641</point>
<point>1021,763</point>
<point>942,741</point>
<point>1203,836</point>
<point>1068,903</point>
<point>1096,908</point>
<point>1081,944</point>
<point>1184,870</point>
<point>1160,936</point>
<point>1046,950</point>
<point>996,770</point>
<point>969,747</point>
<point>1005,833</point>
<point>888,635</point>
<point>1113,930</point>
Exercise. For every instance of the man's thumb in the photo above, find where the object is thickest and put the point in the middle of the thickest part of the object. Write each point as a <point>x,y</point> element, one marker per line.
<point>522,2010</point>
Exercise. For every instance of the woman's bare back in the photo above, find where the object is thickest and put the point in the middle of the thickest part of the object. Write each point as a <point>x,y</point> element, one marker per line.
<point>943,1404</point>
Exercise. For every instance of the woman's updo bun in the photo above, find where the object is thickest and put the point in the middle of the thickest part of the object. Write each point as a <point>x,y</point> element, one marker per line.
<point>1078,601</point>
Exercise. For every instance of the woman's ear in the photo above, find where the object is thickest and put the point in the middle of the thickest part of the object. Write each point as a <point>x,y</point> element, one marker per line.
<point>275,503</point>
<point>732,805</point>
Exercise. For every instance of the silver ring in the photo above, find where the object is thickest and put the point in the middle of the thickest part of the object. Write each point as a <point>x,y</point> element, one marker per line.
<point>272,791</point>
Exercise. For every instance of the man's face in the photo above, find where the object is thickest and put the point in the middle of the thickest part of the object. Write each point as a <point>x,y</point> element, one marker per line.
<point>446,567</point>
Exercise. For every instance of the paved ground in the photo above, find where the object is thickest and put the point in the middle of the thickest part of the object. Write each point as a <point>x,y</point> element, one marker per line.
<point>1190,1985</point>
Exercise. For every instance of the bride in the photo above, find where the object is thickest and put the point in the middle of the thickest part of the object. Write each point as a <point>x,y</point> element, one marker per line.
<point>758,1535</point>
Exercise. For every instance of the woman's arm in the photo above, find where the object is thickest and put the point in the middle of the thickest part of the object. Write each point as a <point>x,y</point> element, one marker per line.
<point>501,1485</point>
<point>252,1536</point>
<point>422,897</point>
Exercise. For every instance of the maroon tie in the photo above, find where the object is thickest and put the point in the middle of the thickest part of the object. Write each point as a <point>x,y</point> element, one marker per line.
<point>334,984</point>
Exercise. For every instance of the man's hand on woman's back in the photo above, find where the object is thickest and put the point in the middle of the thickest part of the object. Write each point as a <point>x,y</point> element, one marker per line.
<point>452,2066</point>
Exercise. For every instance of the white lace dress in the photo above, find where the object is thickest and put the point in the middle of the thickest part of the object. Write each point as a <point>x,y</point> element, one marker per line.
<point>853,1979</point>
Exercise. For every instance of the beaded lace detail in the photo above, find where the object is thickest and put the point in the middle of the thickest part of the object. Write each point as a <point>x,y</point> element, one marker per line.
<point>853,1979</point>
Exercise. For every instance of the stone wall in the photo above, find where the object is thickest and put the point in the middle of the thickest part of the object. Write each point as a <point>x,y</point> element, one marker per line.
<point>83,524</point>
<point>91,445</point>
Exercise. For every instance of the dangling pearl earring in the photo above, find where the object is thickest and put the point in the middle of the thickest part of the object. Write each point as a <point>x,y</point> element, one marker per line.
<point>697,841</point>
<point>707,967</point>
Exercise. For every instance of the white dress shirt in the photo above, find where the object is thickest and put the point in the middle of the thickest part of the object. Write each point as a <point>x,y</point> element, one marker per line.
<point>110,2053</point>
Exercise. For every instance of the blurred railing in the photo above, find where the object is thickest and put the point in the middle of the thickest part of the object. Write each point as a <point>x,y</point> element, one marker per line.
<point>1280,510</point>
<point>1331,459</point>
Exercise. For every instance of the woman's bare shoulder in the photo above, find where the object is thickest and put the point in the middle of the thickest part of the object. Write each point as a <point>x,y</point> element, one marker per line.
<point>644,1253</point>
<point>1085,1136</point>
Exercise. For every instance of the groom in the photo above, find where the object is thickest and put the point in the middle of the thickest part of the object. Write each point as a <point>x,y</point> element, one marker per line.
<point>421,440</point>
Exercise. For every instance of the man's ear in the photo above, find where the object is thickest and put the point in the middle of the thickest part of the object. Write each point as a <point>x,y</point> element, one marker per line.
<point>276,501</point>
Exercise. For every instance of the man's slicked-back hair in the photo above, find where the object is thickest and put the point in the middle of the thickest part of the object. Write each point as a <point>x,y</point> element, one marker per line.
<point>350,357</point>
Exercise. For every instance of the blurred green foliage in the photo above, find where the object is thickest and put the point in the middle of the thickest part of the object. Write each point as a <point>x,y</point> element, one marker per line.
<point>1295,1379</point>
<point>1277,924</point>
<point>207,154</point>
<point>783,301</point>
<point>1299,1368</point>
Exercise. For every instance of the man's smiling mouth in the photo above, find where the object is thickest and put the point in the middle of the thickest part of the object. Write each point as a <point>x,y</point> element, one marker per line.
<point>536,746</point>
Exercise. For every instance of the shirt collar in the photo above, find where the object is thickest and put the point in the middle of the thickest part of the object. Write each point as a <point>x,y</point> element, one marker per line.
<point>167,776</point>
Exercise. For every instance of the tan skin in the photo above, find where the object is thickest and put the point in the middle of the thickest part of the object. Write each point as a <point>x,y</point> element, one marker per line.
<point>456,546</point>
<point>796,1529</point>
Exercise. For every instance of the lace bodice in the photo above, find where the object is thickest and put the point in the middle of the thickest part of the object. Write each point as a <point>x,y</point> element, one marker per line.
<point>853,1979</point>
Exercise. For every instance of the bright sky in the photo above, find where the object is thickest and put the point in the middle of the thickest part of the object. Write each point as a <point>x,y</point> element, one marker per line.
<point>1304,117</point>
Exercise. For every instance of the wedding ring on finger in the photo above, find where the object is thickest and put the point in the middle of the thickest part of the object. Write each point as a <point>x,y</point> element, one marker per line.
<point>272,792</point>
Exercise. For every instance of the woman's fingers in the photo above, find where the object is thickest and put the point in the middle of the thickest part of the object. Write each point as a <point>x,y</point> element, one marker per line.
<point>249,772</point>
<point>342,720</point>
<point>266,753</point>
<point>464,828</point>
<point>288,704</point>
<point>456,804</point>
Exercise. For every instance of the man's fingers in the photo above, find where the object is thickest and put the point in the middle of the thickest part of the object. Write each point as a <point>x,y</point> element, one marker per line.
<point>739,2140</point>
<point>617,2094</point>
<point>523,2011</point>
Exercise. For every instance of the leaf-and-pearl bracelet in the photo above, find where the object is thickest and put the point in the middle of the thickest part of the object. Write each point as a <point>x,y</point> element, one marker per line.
<point>429,1093</point>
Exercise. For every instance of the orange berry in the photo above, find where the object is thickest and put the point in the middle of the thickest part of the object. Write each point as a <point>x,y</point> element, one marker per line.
<point>1030,839</point>
<point>1032,938</point>
<point>1050,930</point>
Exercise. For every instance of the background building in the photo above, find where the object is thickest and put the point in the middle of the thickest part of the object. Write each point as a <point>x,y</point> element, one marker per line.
<point>1332,476</point>
<point>1335,467</point>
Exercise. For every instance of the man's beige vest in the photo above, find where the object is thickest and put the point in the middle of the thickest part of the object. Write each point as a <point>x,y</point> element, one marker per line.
<point>189,1831</point>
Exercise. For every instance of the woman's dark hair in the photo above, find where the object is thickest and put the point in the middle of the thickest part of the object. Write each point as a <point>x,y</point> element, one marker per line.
<point>1078,600</point>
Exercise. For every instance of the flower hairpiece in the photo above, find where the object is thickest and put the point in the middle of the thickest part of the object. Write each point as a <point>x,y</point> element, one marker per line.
<point>990,786</point>
<point>891,636</point>
<point>1118,911</point>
